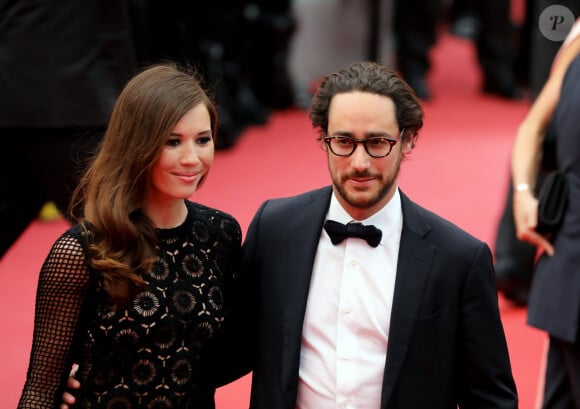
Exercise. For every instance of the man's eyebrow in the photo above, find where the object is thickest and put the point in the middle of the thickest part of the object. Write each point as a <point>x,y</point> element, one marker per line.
<point>374,134</point>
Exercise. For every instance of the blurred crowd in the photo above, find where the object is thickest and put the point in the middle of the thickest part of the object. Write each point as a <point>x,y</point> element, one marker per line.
<point>242,50</point>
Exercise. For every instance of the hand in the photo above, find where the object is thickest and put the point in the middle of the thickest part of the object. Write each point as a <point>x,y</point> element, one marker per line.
<point>526,220</point>
<point>72,383</point>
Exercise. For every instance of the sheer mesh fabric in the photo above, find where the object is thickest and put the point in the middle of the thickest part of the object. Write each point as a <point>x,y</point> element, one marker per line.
<point>62,285</point>
<point>153,354</point>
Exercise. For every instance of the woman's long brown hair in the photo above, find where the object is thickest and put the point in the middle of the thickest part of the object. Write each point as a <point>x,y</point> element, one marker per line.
<point>115,186</point>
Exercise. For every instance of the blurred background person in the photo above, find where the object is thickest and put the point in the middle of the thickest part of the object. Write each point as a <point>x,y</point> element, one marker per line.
<point>515,259</point>
<point>415,29</point>
<point>240,48</point>
<point>62,65</point>
<point>554,304</point>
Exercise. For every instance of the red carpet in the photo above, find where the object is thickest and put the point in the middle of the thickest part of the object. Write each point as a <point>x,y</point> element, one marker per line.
<point>459,169</point>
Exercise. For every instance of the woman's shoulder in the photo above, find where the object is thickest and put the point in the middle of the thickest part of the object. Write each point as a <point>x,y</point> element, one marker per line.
<point>200,211</point>
<point>80,233</point>
<point>72,241</point>
<point>66,259</point>
<point>219,219</point>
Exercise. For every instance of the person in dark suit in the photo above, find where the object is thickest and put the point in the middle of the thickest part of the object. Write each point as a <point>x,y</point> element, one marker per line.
<point>554,304</point>
<point>409,320</point>
<point>515,259</point>
<point>63,64</point>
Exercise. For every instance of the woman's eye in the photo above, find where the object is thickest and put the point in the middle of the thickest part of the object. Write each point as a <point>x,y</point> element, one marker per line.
<point>203,140</point>
<point>173,142</point>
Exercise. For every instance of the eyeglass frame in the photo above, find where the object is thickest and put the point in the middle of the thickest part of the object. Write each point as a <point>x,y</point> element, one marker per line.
<point>391,142</point>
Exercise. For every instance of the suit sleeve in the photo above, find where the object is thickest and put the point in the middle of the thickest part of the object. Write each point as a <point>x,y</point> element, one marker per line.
<point>235,351</point>
<point>485,370</point>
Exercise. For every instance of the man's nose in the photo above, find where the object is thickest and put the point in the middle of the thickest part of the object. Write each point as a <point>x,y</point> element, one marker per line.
<point>360,158</point>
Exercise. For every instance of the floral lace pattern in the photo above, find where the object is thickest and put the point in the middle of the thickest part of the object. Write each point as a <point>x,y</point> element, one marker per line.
<point>152,354</point>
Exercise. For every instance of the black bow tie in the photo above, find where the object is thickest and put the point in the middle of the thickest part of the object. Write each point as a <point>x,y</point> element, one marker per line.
<point>338,232</point>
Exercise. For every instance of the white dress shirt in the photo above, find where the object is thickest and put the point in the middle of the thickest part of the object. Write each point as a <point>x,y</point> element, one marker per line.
<point>346,326</point>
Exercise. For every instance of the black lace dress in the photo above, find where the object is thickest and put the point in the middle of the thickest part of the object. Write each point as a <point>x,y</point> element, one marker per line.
<point>156,352</point>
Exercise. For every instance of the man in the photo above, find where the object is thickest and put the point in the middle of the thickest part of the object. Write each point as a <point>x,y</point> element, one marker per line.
<point>408,321</point>
<point>411,323</point>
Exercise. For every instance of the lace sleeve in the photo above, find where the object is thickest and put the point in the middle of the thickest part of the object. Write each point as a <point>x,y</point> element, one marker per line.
<point>61,290</point>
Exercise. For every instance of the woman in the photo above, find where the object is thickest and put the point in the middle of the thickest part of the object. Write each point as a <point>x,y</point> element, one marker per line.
<point>554,304</point>
<point>135,291</point>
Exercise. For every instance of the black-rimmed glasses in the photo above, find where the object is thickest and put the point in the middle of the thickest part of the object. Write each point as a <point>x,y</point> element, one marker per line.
<point>376,146</point>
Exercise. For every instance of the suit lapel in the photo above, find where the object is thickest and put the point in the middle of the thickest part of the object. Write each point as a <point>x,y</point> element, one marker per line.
<point>305,225</point>
<point>415,257</point>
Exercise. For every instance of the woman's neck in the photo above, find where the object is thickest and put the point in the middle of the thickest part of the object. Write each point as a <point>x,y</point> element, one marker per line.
<point>166,215</point>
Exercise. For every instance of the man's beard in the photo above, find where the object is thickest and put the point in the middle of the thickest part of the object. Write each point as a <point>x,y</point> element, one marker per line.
<point>368,202</point>
<point>365,202</point>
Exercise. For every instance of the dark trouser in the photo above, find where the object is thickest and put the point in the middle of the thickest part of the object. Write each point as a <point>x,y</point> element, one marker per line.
<point>415,26</point>
<point>496,48</point>
<point>562,382</point>
<point>39,165</point>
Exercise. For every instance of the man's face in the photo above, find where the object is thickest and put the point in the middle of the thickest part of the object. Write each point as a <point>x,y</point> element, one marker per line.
<point>364,184</point>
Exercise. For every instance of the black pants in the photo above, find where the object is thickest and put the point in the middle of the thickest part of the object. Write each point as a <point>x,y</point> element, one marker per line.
<point>39,165</point>
<point>562,382</point>
<point>415,26</point>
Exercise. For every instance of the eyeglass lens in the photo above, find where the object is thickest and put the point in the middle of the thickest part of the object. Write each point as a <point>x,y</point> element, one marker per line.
<point>345,146</point>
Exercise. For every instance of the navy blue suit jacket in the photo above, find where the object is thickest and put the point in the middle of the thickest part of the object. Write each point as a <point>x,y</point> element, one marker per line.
<point>446,341</point>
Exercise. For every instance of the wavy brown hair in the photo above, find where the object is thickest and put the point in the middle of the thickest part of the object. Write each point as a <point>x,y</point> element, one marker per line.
<point>112,192</point>
<point>375,79</point>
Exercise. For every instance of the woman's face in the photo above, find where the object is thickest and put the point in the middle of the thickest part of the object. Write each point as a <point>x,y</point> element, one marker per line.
<point>185,159</point>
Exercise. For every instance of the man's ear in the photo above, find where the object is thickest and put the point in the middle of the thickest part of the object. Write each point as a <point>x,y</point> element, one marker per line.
<point>409,144</point>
